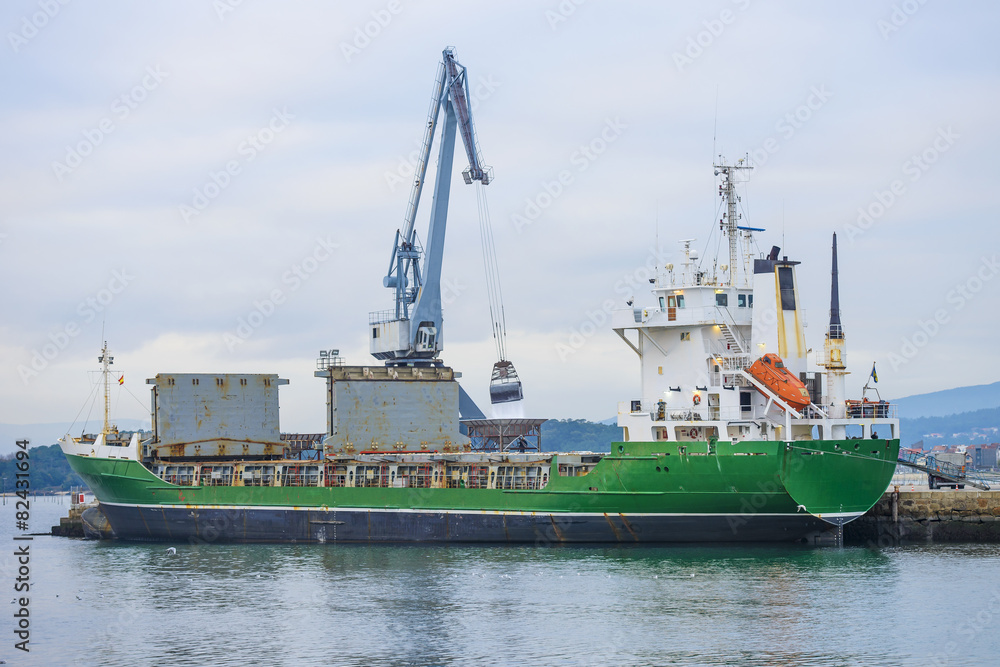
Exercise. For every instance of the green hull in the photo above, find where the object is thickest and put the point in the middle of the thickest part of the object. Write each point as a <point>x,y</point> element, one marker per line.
<point>643,491</point>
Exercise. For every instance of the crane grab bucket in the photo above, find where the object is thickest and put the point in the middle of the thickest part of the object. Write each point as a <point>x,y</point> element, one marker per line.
<point>505,385</point>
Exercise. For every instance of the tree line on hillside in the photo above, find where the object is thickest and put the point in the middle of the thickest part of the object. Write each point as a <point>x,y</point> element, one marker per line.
<point>48,468</point>
<point>913,430</point>
<point>568,435</point>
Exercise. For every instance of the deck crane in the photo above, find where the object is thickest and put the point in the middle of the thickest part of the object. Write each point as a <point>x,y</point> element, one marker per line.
<point>412,333</point>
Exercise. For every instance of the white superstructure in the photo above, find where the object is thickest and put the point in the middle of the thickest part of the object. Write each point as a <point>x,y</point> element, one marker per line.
<point>709,321</point>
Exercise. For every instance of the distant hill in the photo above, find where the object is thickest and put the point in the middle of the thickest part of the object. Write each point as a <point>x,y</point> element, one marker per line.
<point>48,468</point>
<point>965,428</point>
<point>949,401</point>
<point>568,435</point>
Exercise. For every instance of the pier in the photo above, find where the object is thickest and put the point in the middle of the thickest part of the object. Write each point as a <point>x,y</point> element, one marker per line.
<point>908,516</point>
<point>71,525</point>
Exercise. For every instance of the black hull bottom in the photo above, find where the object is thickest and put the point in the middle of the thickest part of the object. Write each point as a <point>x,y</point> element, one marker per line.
<point>209,525</point>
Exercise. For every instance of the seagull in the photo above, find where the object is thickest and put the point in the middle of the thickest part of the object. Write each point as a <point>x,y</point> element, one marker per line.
<point>171,551</point>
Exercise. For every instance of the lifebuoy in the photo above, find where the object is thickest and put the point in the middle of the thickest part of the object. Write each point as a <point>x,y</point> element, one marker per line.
<point>693,433</point>
<point>697,399</point>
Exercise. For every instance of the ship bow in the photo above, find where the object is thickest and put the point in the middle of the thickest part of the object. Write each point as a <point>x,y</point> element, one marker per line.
<point>838,481</point>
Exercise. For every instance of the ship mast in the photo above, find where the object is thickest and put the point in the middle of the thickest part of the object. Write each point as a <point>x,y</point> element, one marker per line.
<point>106,361</point>
<point>835,345</point>
<point>730,219</point>
<point>836,329</point>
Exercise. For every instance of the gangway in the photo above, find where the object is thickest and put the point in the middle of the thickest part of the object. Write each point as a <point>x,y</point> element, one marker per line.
<point>913,458</point>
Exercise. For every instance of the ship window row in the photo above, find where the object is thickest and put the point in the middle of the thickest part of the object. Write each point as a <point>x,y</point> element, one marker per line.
<point>671,303</point>
<point>513,477</point>
<point>742,300</point>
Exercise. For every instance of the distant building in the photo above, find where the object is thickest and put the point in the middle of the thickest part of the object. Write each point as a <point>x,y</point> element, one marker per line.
<point>984,456</point>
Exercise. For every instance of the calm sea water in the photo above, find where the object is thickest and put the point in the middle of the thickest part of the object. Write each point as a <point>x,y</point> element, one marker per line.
<point>98,603</point>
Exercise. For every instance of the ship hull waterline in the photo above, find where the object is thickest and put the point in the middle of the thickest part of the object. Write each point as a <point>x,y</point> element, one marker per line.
<point>256,524</point>
<point>797,494</point>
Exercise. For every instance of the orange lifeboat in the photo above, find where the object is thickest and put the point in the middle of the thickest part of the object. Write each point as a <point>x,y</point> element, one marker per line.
<point>770,371</point>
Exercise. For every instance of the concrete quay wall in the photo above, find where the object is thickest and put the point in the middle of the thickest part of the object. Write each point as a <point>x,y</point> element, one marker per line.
<point>929,516</point>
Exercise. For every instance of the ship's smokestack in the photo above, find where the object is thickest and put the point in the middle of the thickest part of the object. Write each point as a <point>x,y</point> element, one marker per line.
<point>836,329</point>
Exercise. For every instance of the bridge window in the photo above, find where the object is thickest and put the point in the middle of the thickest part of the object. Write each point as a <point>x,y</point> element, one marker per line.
<point>722,300</point>
<point>741,300</point>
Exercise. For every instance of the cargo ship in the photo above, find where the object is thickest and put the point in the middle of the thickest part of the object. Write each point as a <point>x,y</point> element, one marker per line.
<point>731,437</point>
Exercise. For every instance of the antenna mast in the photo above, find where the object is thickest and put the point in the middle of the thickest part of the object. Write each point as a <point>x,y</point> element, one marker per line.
<point>730,220</point>
<point>106,361</point>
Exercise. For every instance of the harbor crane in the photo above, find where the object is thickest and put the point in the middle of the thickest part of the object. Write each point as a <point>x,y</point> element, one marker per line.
<point>412,333</point>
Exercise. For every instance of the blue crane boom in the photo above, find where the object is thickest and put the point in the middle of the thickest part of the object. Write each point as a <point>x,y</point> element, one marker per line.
<point>412,332</point>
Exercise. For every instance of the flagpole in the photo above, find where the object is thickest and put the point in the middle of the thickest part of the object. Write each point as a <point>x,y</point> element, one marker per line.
<point>872,377</point>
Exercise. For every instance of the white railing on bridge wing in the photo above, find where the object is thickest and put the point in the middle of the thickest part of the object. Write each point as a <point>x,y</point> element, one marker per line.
<point>704,412</point>
<point>691,315</point>
<point>666,413</point>
<point>870,410</point>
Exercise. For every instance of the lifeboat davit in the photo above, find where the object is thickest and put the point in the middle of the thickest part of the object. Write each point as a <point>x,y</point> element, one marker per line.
<point>770,371</point>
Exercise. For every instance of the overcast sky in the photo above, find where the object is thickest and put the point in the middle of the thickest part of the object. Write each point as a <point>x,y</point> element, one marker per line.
<point>169,169</point>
